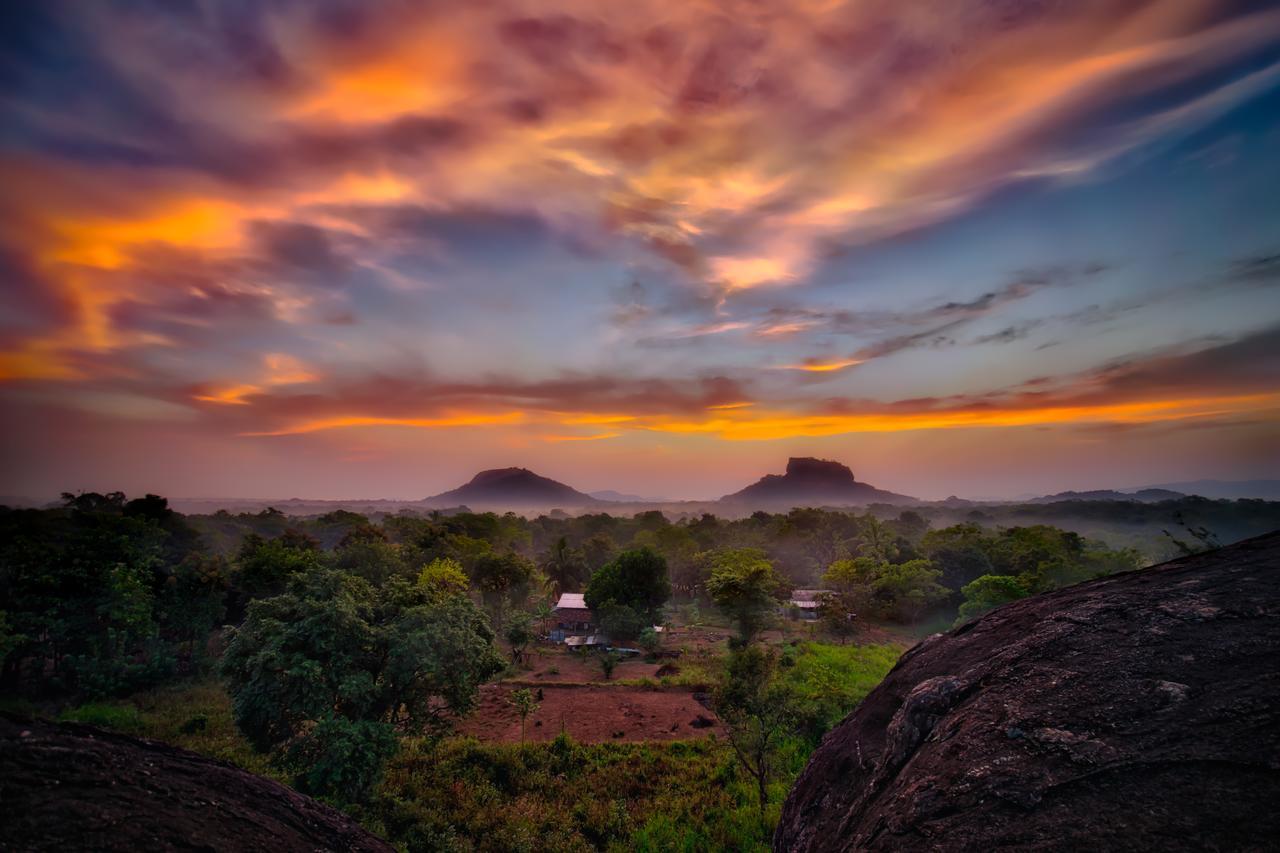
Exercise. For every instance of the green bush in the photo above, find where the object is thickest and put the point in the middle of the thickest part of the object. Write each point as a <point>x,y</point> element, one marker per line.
<point>339,758</point>
<point>122,718</point>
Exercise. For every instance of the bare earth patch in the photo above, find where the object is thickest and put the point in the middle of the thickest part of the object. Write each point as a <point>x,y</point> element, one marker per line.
<point>592,713</point>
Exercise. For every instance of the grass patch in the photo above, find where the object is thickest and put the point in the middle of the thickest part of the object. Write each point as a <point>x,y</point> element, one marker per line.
<point>465,795</point>
<point>193,716</point>
<point>831,680</point>
<point>118,717</point>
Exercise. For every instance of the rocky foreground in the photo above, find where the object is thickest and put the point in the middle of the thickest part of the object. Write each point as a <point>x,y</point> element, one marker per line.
<point>1137,712</point>
<point>72,787</point>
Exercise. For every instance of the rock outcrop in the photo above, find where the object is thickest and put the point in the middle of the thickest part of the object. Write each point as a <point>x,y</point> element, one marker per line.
<point>72,787</point>
<point>812,482</point>
<point>512,488</point>
<point>1135,712</point>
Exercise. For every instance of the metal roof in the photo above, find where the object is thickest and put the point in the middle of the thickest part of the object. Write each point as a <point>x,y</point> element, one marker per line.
<point>571,601</point>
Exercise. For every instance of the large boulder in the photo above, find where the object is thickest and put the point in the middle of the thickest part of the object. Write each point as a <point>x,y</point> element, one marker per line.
<point>1136,712</point>
<point>73,787</point>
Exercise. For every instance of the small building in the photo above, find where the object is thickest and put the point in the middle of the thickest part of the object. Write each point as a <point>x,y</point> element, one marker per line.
<point>804,603</point>
<point>572,618</point>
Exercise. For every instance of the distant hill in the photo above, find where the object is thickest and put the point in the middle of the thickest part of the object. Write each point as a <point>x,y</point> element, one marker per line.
<point>1152,495</point>
<point>812,482</point>
<point>1268,490</point>
<point>513,488</point>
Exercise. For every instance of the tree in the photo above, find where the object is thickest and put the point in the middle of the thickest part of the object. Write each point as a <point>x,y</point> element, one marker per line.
<point>758,710</point>
<point>908,589</point>
<point>503,581</point>
<point>519,635</point>
<point>525,705</point>
<point>565,567</point>
<point>987,593</point>
<point>960,551</point>
<point>636,579</point>
<point>193,600</point>
<point>621,623</point>
<point>608,662</point>
<point>852,578</point>
<point>370,556</point>
<point>443,578</point>
<point>333,667</point>
<point>742,584</point>
<point>598,549</point>
<point>81,586</point>
<point>264,566</point>
<point>650,640</point>
<point>838,613</point>
<point>542,611</point>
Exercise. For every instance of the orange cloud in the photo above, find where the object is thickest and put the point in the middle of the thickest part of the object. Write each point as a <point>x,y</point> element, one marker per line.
<point>233,395</point>
<point>599,437</point>
<point>285,369</point>
<point>816,366</point>
<point>766,426</point>
<point>354,421</point>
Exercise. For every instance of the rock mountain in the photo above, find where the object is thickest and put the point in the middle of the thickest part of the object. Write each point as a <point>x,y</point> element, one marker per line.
<point>73,787</point>
<point>1136,712</point>
<point>812,482</point>
<point>514,488</point>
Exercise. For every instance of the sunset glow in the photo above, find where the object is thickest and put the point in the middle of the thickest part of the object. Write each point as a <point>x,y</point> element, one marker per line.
<point>619,241</point>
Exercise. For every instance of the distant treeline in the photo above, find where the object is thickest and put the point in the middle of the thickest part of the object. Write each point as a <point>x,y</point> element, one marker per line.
<point>103,595</point>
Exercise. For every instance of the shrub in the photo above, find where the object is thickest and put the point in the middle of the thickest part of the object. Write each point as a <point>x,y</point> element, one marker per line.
<point>122,718</point>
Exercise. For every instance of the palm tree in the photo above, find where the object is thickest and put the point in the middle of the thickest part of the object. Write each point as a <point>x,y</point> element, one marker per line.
<point>564,566</point>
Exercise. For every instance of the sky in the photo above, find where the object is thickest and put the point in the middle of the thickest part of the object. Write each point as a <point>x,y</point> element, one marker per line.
<point>365,249</point>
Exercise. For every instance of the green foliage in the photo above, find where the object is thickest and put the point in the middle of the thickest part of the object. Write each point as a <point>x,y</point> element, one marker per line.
<point>989,592</point>
<point>9,641</point>
<point>620,623</point>
<point>122,718</point>
<point>82,588</point>
<point>519,635</point>
<point>443,578</point>
<point>759,710</point>
<point>264,566</point>
<point>566,796</point>
<point>649,640</point>
<point>193,600</point>
<point>608,663</point>
<point>197,723</point>
<point>864,586</point>
<point>827,682</point>
<point>340,758</point>
<point>459,794</point>
<point>838,613</point>
<point>742,584</point>
<point>908,589</point>
<point>636,579</point>
<point>503,581</point>
<point>333,647</point>
<point>564,566</point>
<point>370,556</point>
<point>525,705</point>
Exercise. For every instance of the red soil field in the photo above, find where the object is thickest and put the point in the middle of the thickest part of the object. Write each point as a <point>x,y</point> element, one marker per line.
<point>591,714</point>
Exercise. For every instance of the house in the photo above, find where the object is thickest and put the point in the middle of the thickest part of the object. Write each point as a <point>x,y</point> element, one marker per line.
<point>804,603</point>
<point>572,618</point>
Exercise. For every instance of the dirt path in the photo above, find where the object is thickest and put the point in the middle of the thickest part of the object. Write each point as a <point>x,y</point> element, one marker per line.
<point>591,714</point>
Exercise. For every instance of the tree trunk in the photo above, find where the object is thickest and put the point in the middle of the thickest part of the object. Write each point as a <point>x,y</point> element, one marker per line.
<point>763,789</point>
